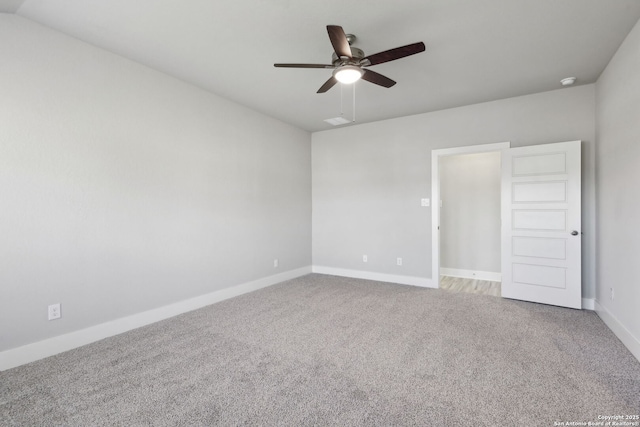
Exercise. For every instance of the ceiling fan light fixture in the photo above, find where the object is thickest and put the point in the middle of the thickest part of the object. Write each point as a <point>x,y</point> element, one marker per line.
<point>347,62</point>
<point>348,74</point>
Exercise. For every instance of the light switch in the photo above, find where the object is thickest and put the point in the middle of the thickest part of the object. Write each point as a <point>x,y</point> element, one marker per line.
<point>425,202</point>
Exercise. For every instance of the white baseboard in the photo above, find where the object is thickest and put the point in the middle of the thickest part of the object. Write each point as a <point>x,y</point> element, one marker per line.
<point>471,274</point>
<point>49,347</point>
<point>623,334</point>
<point>588,304</point>
<point>380,277</point>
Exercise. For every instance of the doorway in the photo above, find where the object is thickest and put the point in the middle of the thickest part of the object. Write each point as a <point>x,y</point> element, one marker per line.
<point>541,220</point>
<point>458,236</point>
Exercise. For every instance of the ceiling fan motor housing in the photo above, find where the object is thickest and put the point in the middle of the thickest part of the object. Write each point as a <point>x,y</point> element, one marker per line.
<point>356,55</point>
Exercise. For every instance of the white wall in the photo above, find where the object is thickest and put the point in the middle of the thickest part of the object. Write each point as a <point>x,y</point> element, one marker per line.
<point>123,189</point>
<point>470,213</point>
<point>618,190</point>
<point>368,179</point>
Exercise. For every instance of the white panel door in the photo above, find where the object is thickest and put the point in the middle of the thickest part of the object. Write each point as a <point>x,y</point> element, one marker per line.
<point>541,238</point>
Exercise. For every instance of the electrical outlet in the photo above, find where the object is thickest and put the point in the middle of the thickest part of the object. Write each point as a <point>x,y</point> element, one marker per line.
<point>364,258</point>
<point>54,311</point>
<point>399,261</point>
<point>275,263</point>
<point>425,202</point>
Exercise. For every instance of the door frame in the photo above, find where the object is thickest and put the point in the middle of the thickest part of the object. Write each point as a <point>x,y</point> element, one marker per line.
<point>435,195</point>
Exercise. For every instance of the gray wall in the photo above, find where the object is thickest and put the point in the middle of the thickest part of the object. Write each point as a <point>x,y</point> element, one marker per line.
<point>618,186</point>
<point>123,189</point>
<point>368,179</point>
<point>470,213</point>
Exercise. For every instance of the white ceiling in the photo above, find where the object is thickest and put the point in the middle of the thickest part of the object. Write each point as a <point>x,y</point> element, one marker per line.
<point>476,50</point>
<point>10,6</point>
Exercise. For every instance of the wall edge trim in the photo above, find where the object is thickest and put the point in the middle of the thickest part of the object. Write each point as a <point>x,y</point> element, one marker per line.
<point>631,342</point>
<point>588,304</point>
<point>370,275</point>
<point>51,346</point>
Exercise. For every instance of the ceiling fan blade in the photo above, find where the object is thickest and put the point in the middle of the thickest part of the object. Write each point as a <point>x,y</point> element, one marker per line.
<point>339,41</point>
<point>328,85</point>
<point>393,54</point>
<point>377,78</point>
<point>303,66</point>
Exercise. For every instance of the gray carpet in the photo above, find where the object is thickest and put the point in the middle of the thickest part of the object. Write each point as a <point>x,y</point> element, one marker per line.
<point>324,350</point>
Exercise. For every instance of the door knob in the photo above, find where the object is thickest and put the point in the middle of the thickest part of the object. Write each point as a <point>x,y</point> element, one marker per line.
<point>574,233</point>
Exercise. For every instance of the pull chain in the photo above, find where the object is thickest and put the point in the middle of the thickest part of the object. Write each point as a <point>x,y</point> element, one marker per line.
<point>353,111</point>
<point>341,91</point>
<point>354,102</point>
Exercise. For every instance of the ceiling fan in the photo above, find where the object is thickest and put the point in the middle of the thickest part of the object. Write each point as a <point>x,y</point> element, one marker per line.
<point>348,62</point>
